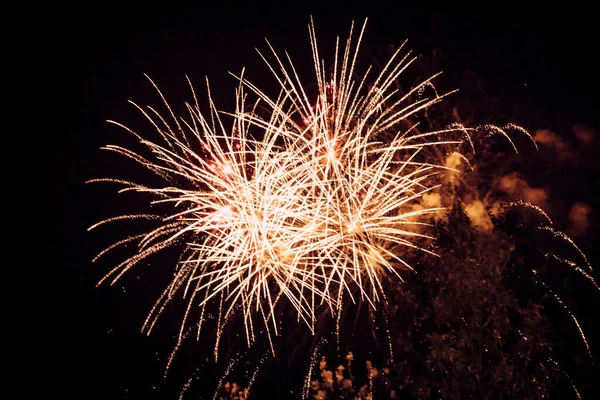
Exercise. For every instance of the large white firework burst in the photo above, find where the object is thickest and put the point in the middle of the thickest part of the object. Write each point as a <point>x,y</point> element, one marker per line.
<point>314,207</point>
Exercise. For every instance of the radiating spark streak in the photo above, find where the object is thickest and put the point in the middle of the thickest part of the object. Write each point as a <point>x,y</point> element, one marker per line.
<point>127,264</point>
<point>117,244</point>
<point>124,217</point>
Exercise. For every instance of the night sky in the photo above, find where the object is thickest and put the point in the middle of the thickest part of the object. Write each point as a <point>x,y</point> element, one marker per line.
<point>84,342</point>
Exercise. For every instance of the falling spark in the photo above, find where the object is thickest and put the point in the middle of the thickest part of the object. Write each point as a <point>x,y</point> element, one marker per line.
<point>575,267</point>
<point>225,374</point>
<point>526,204</point>
<point>502,131</point>
<point>313,361</point>
<point>568,377</point>
<point>387,331</point>
<point>256,370</point>
<point>187,384</point>
<point>573,317</point>
<point>566,238</point>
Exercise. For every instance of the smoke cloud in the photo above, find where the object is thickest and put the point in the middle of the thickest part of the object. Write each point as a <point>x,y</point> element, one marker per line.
<point>477,213</point>
<point>583,134</point>
<point>579,218</point>
<point>562,150</point>
<point>518,188</point>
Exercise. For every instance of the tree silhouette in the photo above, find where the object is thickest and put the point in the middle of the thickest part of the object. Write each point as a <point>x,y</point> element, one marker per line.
<point>458,326</point>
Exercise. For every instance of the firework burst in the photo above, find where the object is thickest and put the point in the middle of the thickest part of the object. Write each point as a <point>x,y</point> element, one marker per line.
<point>317,209</point>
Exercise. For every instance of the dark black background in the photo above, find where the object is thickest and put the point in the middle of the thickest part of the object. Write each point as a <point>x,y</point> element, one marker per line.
<point>79,342</point>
